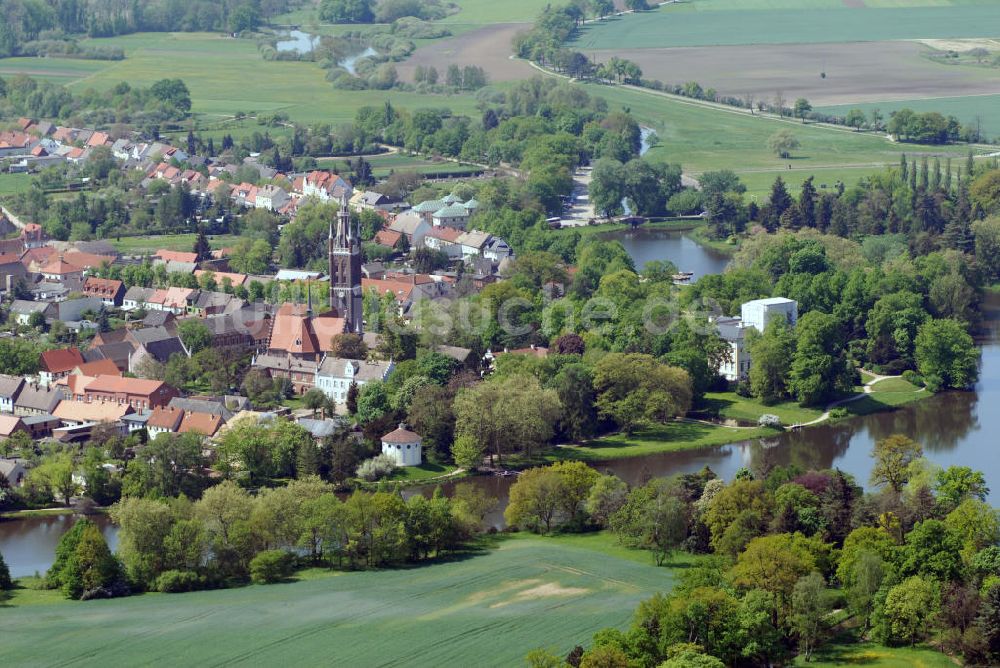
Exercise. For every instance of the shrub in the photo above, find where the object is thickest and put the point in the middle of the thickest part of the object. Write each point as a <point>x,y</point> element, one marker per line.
<point>376,468</point>
<point>839,412</point>
<point>271,566</point>
<point>769,420</point>
<point>913,377</point>
<point>5,581</point>
<point>173,582</point>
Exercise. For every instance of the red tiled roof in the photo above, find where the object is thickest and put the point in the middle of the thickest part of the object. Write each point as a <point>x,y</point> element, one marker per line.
<point>88,260</point>
<point>102,287</point>
<point>164,417</point>
<point>60,360</point>
<point>388,238</point>
<point>400,290</point>
<point>291,331</point>
<point>60,267</point>
<point>176,256</point>
<point>116,384</point>
<point>201,423</point>
<point>401,435</point>
<point>98,368</point>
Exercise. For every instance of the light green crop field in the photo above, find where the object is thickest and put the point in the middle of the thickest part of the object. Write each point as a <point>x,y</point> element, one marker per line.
<point>485,610</point>
<point>967,109</point>
<point>691,24</point>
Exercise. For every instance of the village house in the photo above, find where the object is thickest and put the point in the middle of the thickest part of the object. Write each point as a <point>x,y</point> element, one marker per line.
<point>111,292</point>
<point>335,375</point>
<point>36,400</point>
<point>135,297</point>
<point>57,363</point>
<point>33,236</point>
<point>270,197</point>
<point>13,471</point>
<point>40,426</point>
<point>22,310</point>
<point>10,388</point>
<point>9,425</point>
<point>300,372</point>
<point>79,413</point>
<point>60,270</point>
<point>325,186</point>
<point>411,226</point>
<point>136,392</point>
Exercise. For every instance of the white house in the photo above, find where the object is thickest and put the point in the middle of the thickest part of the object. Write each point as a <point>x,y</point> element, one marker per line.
<point>270,197</point>
<point>756,314</point>
<point>759,312</point>
<point>403,446</point>
<point>335,375</point>
<point>10,387</point>
<point>737,367</point>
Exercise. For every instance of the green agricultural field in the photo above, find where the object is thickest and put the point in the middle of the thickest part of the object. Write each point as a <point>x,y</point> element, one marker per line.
<point>53,70</point>
<point>484,610</point>
<point>686,24</point>
<point>967,109</point>
<point>228,75</point>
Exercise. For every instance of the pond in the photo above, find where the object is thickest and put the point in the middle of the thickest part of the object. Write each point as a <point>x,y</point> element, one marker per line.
<point>29,544</point>
<point>297,41</point>
<point>646,244</point>
<point>349,63</point>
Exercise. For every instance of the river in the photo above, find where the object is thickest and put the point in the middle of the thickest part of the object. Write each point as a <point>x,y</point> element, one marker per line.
<point>303,42</point>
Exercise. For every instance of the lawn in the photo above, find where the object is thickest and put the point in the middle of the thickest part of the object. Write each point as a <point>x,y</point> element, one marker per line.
<point>894,385</point>
<point>670,437</point>
<point>485,610</point>
<point>734,407</point>
<point>868,654</point>
<point>383,165</point>
<point>704,137</point>
<point>176,242</point>
<point>421,473</point>
<point>700,24</point>
<point>14,183</point>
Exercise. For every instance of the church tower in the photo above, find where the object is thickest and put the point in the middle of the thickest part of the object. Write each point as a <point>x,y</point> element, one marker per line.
<point>345,269</point>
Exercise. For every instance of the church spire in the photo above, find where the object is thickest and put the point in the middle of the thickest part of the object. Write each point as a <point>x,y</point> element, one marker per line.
<point>345,269</point>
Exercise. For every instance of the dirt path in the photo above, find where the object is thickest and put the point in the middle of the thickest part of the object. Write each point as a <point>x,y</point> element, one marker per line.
<point>10,216</point>
<point>840,402</point>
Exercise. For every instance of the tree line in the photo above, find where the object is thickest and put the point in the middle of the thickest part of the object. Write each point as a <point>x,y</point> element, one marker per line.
<point>916,558</point>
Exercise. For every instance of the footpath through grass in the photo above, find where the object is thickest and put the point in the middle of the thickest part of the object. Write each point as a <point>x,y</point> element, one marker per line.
<point>487,609</point>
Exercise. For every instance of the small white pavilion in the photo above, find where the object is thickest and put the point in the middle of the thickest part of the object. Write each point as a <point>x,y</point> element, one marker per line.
<point>403,446</point>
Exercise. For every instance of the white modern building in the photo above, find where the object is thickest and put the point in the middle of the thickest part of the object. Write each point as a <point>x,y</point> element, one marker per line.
<point>756,314</point>
<point>403,446</point>
<point>759,312</point>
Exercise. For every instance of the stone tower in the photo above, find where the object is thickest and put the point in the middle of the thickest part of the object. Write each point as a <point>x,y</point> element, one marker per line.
<point>345,269</point>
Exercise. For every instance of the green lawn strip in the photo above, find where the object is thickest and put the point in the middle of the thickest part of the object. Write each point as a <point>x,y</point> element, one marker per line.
<point>894,385</point>
<point>883,401</point>
<point>732,406</point>
<point>178,242</point>
<point>701,235</point>
<point>605,542</point>
<point>869,654</point>
<point>493,605</point>
<point>866,377</point>
<point>671,437</point>
<point>422,472</point>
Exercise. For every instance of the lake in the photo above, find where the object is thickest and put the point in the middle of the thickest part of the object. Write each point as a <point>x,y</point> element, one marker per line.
<point>28,545</point>
<point>647,244</point>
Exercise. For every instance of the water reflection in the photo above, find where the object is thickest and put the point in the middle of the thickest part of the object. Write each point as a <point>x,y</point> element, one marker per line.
<point>646,244</point>
<point>29,545</point>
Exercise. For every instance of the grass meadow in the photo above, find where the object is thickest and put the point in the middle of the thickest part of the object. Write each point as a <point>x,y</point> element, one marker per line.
<point>489,609</point>
<point>176,242</point>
